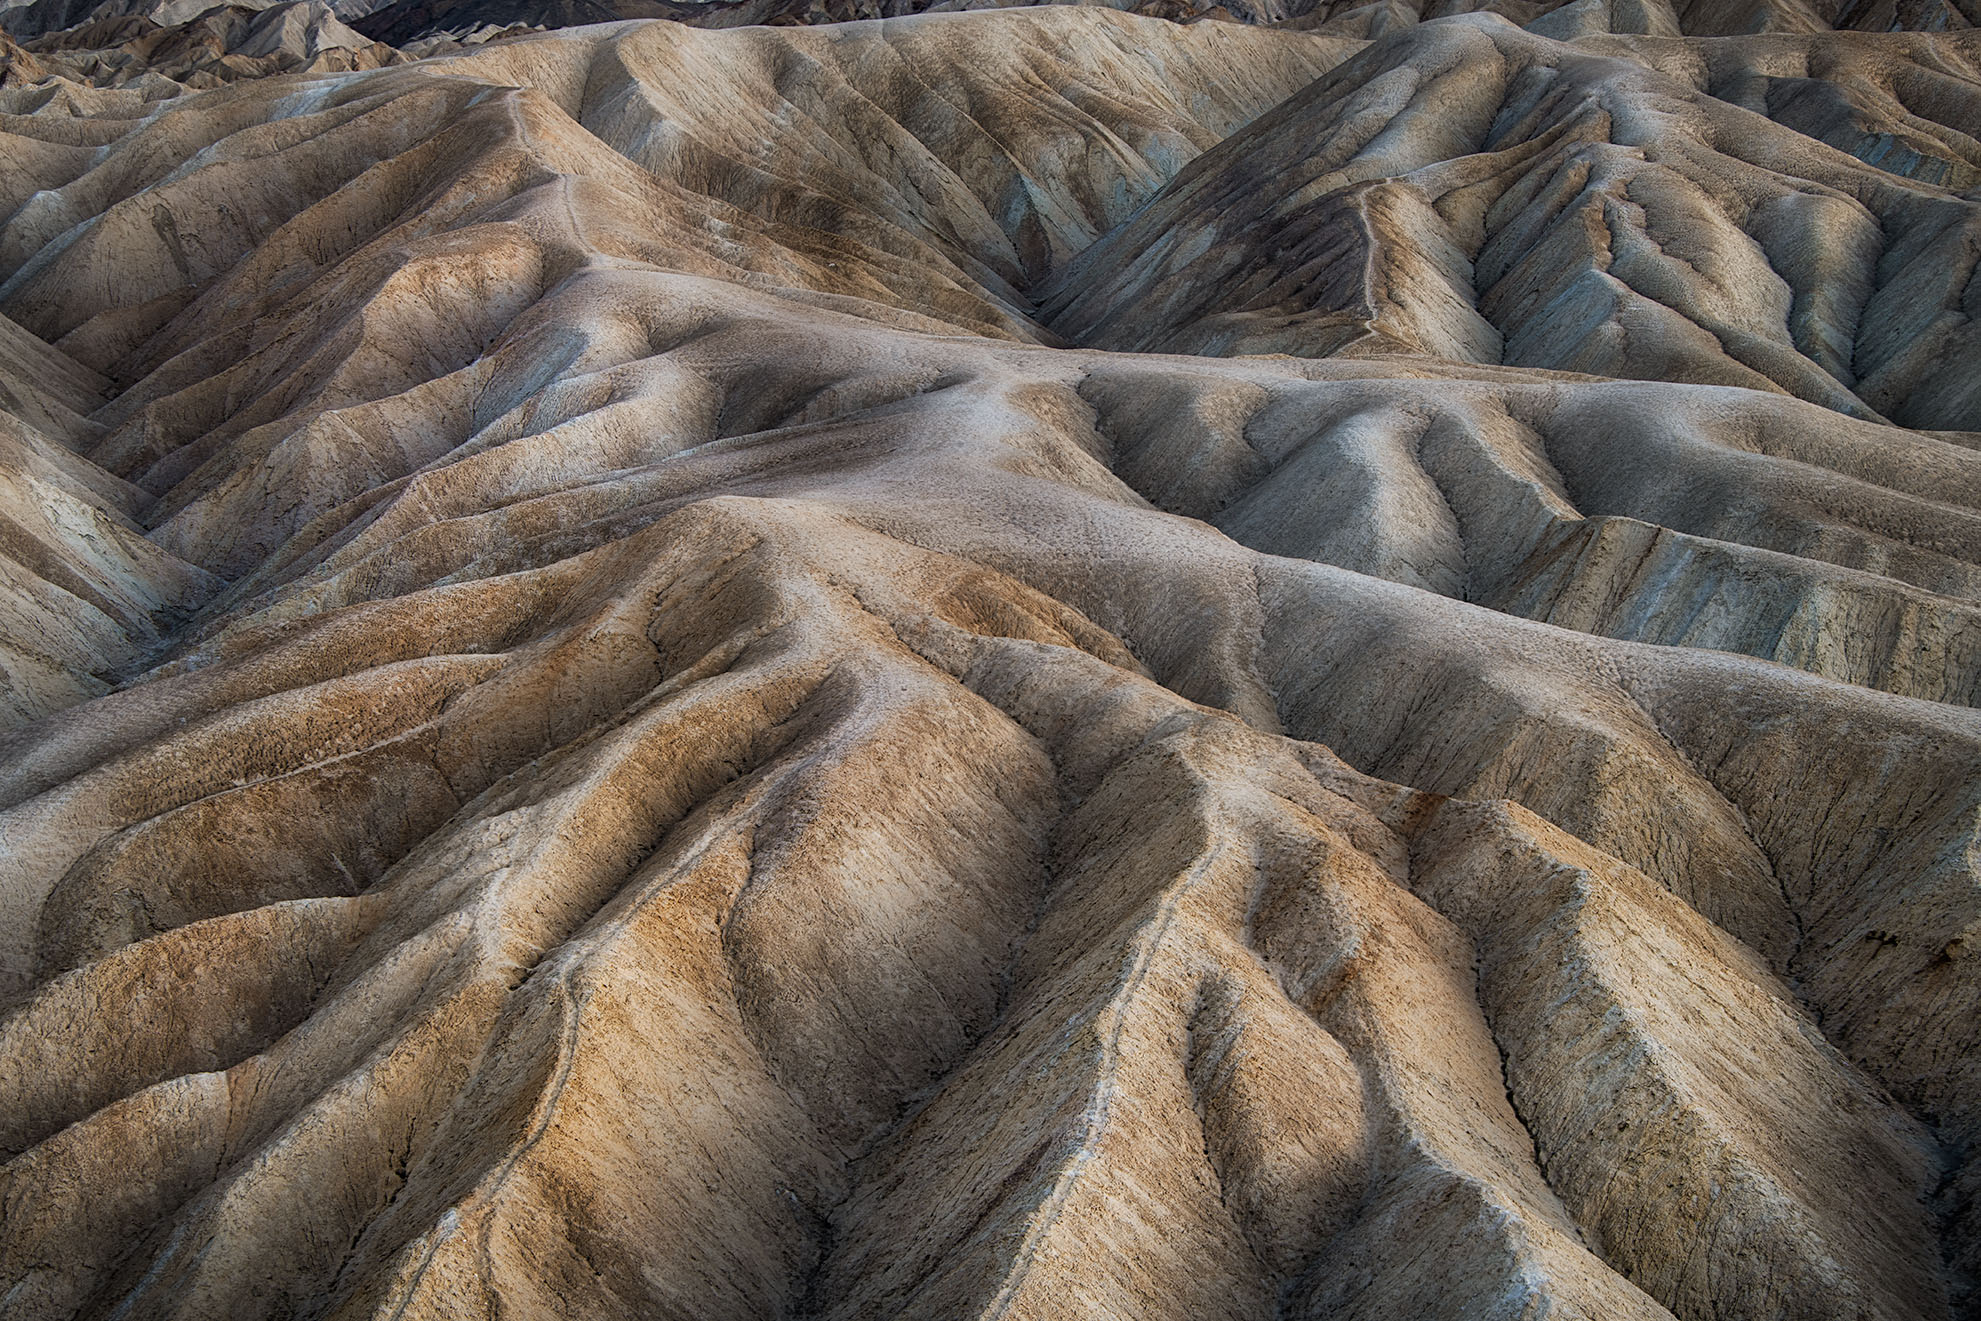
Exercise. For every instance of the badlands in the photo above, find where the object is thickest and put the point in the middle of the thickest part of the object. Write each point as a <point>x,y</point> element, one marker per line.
<point>1034,663</point>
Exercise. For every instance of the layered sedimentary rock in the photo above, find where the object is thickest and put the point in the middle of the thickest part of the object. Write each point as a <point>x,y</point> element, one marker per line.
<point>1009,665</point>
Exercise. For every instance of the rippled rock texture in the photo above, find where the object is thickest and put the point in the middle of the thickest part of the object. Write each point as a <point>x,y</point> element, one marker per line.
<point>1026,664</point>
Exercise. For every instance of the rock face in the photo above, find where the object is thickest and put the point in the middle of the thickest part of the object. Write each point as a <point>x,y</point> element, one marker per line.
<point>1021,664</point>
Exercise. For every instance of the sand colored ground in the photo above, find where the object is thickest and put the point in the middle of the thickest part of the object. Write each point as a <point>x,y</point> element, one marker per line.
<point>1025,664</point>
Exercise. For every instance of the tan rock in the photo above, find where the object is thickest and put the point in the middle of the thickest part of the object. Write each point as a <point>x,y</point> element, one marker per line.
<point>621,702</point>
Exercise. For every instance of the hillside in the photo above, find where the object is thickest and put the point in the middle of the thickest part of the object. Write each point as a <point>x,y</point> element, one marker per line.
<point>1022,664</point>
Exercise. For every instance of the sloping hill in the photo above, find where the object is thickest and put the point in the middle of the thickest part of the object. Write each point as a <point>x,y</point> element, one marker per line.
<point>642,680</point>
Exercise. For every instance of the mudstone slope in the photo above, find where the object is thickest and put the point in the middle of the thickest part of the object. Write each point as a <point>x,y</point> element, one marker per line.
<point>1020,664</point>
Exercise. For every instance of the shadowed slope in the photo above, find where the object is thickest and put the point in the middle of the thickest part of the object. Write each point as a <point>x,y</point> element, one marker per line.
<point>1470,191</point>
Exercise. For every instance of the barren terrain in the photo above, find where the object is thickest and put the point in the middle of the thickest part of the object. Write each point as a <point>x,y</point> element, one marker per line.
<point>1021,664</point>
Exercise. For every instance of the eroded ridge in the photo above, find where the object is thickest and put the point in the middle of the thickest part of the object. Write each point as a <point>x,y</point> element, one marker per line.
<point>614,708</point>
